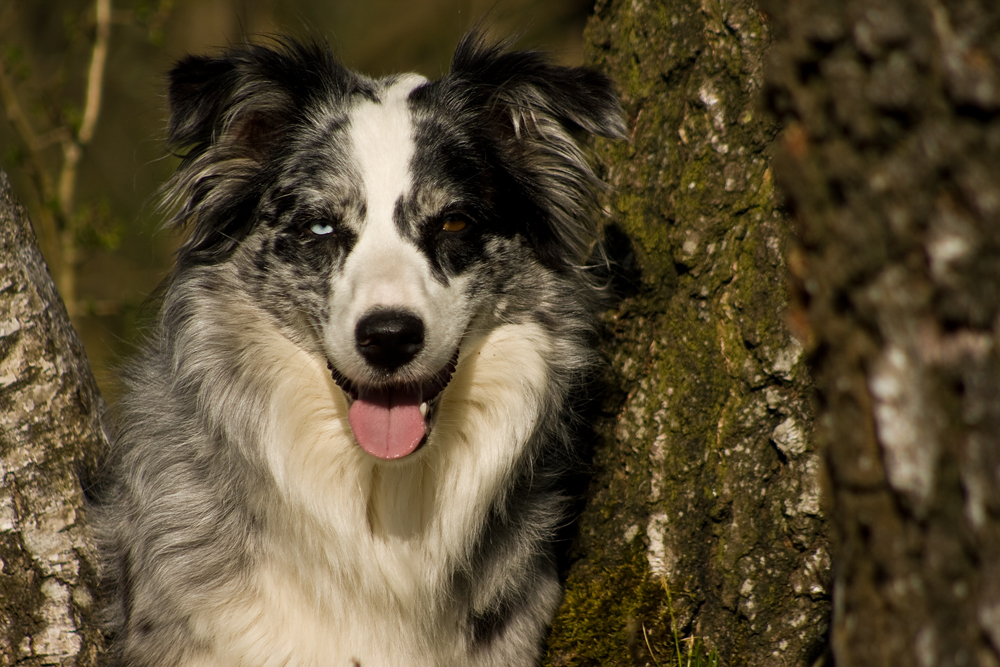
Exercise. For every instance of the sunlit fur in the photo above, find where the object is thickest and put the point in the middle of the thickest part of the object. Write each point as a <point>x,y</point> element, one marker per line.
<point>244,525</point>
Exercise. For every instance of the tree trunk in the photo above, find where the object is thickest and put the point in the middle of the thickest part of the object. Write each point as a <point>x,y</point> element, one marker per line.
<point>891,161</point>
<point>703,530</point>
<point>49,427</point>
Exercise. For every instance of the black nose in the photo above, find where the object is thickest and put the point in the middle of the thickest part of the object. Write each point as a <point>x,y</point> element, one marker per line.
<point>389,338</point>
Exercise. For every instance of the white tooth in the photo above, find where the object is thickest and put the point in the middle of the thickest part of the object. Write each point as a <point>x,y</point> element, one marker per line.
<point>423,409</point>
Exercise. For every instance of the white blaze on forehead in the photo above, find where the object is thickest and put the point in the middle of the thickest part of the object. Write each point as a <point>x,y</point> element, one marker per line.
<point>382,140</point>
<point>384,269</point>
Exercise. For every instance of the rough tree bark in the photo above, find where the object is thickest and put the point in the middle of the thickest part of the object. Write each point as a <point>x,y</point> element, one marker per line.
<point>49,428</point>
<point>891,160</point>
<point>703,518</point>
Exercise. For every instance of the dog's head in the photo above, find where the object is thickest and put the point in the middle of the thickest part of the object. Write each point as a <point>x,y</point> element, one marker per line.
<point>383,222</point>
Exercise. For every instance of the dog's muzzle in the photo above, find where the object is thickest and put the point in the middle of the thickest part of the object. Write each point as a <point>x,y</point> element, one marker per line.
<point>391,420</point>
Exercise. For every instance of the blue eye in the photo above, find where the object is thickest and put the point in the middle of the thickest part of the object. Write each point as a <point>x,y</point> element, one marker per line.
<point>321,228</point>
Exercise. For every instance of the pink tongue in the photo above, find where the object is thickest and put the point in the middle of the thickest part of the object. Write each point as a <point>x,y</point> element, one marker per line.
<point>387,423</point>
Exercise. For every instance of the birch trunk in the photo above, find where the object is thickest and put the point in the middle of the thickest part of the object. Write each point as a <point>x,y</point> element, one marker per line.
<point>50,432</point>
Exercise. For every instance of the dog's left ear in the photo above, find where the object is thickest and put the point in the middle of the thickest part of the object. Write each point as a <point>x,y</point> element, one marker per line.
<point>537,114</point>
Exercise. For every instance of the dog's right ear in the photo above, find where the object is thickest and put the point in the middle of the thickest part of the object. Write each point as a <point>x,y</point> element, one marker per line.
<point>229,116</point>
<point>199,88</point>
<point>239,100</point>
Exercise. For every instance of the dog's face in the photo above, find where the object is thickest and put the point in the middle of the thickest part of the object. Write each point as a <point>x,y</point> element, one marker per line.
<point>379,228</point>
<point>383,223</point>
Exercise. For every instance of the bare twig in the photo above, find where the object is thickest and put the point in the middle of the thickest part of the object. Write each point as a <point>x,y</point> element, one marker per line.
<point>58,225</point>
<point>73,151</point>
<point>17,118</point>
<point>73,147</point>
<point>95,77</point>
<point>35,165</point>
<point>648,647</point>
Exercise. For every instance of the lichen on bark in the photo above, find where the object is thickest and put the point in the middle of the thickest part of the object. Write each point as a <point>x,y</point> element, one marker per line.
<point>706,467</point>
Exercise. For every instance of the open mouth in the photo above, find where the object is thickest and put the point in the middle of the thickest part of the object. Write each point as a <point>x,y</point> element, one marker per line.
<point>391,421</point>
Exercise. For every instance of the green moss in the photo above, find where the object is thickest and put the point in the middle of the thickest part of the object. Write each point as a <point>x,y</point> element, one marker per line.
<point>690,369</point>
<point>637,82</point>
<point>607,616</point>
<point>652,241</point>
<point>760,194</point>
<point>623,616</point>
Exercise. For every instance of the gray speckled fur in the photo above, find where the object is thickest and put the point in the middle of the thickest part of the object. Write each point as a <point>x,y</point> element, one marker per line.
<point>198,515</point>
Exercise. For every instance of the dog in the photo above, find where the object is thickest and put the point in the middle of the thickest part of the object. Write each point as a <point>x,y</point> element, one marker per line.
<point>342,444</point>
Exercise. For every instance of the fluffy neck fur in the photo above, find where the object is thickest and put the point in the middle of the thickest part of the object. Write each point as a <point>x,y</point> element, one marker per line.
<point>378,538</point>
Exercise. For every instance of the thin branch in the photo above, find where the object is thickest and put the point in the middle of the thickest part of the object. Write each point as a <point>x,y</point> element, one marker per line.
<point>22,125</point>
<point>95,78</point>
<point>56,135</point>
<point>47,221</point>
<point>73,151</point>
<point>648,647</point>
<point>73,147</point>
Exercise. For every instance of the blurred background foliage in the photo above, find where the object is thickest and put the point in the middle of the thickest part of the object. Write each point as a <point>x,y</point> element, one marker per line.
<point>88,168</point>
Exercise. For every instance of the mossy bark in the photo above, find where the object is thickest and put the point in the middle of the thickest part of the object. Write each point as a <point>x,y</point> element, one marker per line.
<point>703,522</point>
<point>49,427</point>
<point>891,161</point>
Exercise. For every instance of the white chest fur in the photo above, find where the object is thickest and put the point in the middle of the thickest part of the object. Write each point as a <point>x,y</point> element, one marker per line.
<point>355,564</point>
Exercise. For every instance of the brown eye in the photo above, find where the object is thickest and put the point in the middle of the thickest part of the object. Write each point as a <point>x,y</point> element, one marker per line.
<point>454,223</point>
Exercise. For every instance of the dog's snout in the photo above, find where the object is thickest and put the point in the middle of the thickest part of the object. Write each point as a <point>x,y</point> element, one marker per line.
<point>389,338</point>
